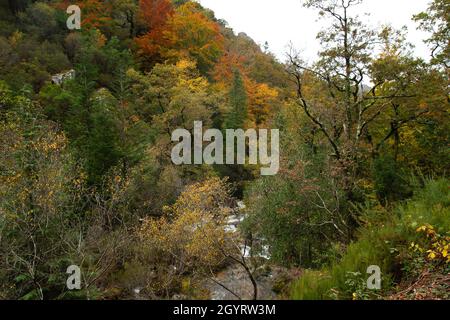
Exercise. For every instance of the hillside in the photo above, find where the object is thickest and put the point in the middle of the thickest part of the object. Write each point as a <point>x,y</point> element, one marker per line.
<point>303,175</point>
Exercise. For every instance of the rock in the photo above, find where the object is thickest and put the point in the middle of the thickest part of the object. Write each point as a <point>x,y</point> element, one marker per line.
<point>60,78</point>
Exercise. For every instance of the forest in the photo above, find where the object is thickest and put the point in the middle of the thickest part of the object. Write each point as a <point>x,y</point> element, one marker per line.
<point>92,206</point>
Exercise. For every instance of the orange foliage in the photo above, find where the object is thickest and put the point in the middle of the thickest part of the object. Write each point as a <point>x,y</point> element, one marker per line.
<point>155,13</point>
<point>94,13</point>
<point>224,68</point>
<point>194,35</point>
<point>261,99</point>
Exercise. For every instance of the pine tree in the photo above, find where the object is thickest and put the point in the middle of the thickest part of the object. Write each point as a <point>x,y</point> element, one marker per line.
<point>237,114</point>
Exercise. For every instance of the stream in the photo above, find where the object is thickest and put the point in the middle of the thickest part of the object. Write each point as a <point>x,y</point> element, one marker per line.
<point>234,277</point>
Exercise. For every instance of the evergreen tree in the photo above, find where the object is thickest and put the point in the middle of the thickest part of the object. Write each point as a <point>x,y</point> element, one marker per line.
<point>237,114</point>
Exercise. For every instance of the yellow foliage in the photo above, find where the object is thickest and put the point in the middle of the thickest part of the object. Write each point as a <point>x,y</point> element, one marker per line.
<point>194,35</point>
<point>192,229</point>
<point>261,101</point>
<point>438,245</point>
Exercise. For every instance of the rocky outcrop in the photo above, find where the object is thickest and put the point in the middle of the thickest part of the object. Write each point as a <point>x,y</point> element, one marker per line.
<point>60,78</point>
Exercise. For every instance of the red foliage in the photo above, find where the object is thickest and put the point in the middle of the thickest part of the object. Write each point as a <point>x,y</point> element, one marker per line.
<point>155,14</point>
<point>94,13</point>
<point>224,68</point>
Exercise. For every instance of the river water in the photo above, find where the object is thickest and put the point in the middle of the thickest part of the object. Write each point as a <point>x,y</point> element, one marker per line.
<point>234,277</point>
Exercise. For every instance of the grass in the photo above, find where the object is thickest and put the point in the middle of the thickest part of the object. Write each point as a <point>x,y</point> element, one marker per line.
<point>381,243</point>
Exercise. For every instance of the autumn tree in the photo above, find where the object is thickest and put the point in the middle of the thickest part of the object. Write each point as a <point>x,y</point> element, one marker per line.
<point>349,93</point>
<point>167,98</point>
<point>344,72</point>
<point>95,14</point>
<point>194,35</point>
<point>342,66</point>
<point>155,15</point>
<point>415,89</point>
<point>172,96</point>
<point>241,51</point>
<point>397,136</point>
<point>260,96</point>
<point>192,232</point>
<point>224,69</point>
<point>262,99</point>
<point>43,225</point>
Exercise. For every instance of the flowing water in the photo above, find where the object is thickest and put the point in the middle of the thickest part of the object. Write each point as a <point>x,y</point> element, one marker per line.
<point>234,277</point>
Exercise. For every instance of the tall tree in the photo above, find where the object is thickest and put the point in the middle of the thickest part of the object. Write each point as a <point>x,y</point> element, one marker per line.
<point>124,14</point>
<point>350,91</point>
<point>436,20</point>
<point>237,113</point>
<point>347,105</point>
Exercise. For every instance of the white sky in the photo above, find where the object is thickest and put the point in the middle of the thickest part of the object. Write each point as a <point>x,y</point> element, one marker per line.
<point>280,21</point>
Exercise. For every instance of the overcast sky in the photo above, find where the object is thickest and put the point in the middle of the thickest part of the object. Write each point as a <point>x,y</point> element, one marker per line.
<point>280,21</point>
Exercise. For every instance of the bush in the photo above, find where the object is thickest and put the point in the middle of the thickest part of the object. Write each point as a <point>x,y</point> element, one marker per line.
<point>386,244</point>
<point>390,184</point>
<point>298,212</point>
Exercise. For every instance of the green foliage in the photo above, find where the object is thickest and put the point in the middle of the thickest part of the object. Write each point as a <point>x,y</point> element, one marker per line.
<point>300,212</point>
<point>39,19</point>
<point>390,184</point>
<point>100,60</point>
<point>380,243</point>
<point>237,113</point>
<point>436,21</point>
<point>84,162</point>
<point>103,139</point>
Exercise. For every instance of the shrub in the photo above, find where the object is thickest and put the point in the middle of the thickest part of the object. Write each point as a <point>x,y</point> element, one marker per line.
<point>384,244</point>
